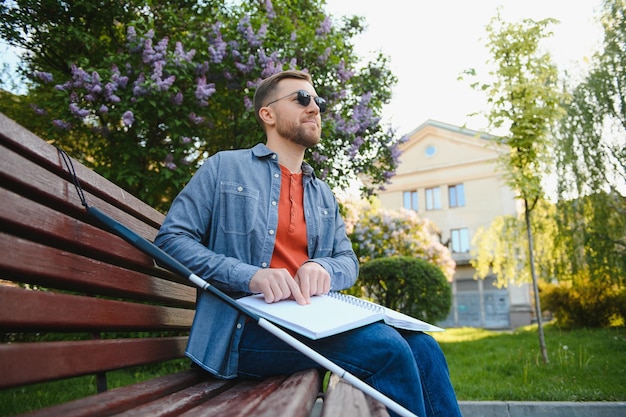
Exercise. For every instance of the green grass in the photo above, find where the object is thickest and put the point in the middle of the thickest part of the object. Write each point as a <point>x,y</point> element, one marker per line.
<point>585,365</point>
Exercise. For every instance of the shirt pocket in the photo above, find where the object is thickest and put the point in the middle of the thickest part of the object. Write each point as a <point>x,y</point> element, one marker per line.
<point>326,216</point>
<point>239,205</point>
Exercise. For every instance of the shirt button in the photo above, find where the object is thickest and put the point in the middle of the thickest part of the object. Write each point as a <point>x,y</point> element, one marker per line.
<point>264,264</point>
<point>271,232</point>
<point>238,325</point>
<point>273,203</point>
<point>276,175</point>
<point>240,189</point>
<point>325,212</point>
<point>273,156</point>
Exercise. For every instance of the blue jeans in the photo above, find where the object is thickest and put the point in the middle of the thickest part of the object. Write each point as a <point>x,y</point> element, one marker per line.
<point>408,367</point>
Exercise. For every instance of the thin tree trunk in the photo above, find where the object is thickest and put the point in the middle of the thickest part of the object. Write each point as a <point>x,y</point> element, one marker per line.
<point>542,341</point>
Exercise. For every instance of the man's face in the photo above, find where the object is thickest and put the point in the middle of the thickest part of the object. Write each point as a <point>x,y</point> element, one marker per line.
<point>295,122</point>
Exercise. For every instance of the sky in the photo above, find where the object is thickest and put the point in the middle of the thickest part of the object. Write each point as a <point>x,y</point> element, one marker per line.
<point>431,42</point>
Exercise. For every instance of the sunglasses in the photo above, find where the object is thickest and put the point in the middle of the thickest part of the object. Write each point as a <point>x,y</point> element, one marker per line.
<point>304,99</point>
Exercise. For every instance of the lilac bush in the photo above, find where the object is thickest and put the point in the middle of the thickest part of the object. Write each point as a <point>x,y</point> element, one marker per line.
<point>379,233</point>
<point>148,113</point>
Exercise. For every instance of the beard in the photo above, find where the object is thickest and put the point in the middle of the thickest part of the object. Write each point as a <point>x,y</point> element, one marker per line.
<point>298,134</point>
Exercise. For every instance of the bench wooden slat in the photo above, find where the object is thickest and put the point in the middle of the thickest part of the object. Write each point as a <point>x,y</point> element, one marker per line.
<point>291,396</point>
<point>180,401</point>
<point>36,264</point>
<point>239,401</point>
<point>26,143</point>
<point>26,363</point>
<point>296,396</point>
<point>39,310</point>
<point>343,400</point>
<point>30,219</point>
<point>120,399</point>
<point>27,178</point>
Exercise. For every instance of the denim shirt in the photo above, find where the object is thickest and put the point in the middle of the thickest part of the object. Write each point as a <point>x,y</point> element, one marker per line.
<point>222,226</point>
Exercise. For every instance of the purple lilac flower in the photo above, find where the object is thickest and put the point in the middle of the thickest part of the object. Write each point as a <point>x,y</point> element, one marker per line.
<point>202,69</point>
<point>103,109</point>
<point>169,162</point>
<point>271,68</point>
<point>165,84</point>
<point>61,124</point>
<point>160,49</point>
<point>138,88</point>
<point>148,52</point>
<point>118,80</point>
<point>79,76</point>
<point>178,98</point>
<point>343,73</point>
<point>63,87</point>
<point>247,102</point>
<point>324,57</point>
<point>195,119</point>
<point>293,36</point>
<point>325,27</point>
<point>181,56</point>
<point>38,110</point>
<point>128,118</point>
<point>269,8</point>
<point>46,77</point>
<point>77,111</point>
<point>204,91</point>
<point>186,139</point>
<point>131,34</point>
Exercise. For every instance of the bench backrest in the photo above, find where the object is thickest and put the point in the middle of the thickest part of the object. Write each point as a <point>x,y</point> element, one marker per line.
<point>60,273</point>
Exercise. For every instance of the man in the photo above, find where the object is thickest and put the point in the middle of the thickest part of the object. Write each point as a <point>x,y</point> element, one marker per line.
<point>259,221</point>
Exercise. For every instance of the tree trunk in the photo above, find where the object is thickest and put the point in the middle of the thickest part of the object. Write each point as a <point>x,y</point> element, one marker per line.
<point>542,341</point>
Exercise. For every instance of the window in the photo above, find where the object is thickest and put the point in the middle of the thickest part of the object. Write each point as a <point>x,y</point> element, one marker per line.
<point>459,240</point>
<point>433,198</point>
<point>410,200</point>
<point>456,194</point>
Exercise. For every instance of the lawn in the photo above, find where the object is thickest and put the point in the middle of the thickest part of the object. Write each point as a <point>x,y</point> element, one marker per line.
<point>585,365</point>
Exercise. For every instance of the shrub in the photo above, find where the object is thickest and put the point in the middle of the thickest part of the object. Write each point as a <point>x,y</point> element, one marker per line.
<point>589,303</point>
<point>411,285</point>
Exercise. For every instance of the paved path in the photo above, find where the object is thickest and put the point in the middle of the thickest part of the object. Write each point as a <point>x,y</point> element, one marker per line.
<point>542,409</point>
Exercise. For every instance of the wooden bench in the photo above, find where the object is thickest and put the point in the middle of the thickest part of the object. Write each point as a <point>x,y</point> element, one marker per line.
<point>61,273</point>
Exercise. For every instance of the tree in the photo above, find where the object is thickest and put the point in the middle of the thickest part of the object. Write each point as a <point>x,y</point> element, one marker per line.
<point>164,85</point>
<point>591,163</point>
<point>524,100</point>
<point>494,252</point>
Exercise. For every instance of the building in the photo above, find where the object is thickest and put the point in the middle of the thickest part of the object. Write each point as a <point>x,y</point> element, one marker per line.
<point>448,174</point>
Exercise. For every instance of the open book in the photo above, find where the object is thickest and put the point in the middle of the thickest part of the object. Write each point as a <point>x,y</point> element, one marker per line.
<point>330,314</point>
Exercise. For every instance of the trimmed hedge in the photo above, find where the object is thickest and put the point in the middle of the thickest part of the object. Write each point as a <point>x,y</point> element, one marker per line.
<point>411,285</point>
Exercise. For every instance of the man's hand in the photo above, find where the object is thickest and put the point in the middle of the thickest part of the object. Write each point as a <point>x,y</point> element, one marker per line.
<point>312,279</point>
<point>275,285</point>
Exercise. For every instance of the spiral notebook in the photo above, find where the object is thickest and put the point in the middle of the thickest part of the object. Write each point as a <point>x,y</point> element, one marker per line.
<point>331,314</point>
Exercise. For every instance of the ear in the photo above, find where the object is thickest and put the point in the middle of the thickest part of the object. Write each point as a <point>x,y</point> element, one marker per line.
<point>267,115</point>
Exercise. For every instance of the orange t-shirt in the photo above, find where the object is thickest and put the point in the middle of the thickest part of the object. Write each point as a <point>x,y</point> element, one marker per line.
<point>290,250</point>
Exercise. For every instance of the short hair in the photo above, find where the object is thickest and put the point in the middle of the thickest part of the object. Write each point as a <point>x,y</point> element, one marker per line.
<point>267,87</point>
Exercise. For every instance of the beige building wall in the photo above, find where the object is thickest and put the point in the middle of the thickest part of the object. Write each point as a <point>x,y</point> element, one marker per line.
<point>447,158</point>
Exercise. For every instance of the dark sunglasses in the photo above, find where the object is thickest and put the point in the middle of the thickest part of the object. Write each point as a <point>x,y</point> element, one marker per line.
<point>304,99</point>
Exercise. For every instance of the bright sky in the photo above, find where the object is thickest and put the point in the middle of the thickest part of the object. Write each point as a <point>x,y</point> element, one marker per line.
<point>431,42</point>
